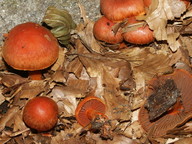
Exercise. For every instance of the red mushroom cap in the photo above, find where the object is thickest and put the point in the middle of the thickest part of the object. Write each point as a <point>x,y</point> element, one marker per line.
<point>103,30</point>
<point>117,10</point>
<point>40,113</point>
<point>86,106</point>
<point>30,46</point>
<point>142,34</point>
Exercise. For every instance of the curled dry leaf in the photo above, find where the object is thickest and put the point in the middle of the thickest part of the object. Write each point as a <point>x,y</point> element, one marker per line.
<point>19,125</point>
<point>75,67</point>
<point>178,7</point>
<point>19,87</point>
<point>88,38</point>
<point>60,60</point>
<point>172,39</point>
<point>160,12</point>
<point>10,80</point>
<point>59,76</point>
<point>85,32</point>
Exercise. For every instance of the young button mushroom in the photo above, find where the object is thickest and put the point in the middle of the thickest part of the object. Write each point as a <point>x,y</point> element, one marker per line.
<point>103,30</point>
<point>117,10</point>
<point>30,47</point>
<point>40,113</point>
<point>89,109</point>
<point>180,112</point>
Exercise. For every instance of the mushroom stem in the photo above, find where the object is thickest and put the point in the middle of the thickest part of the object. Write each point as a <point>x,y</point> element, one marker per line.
<point>35,75</point>
<point>92,114</point>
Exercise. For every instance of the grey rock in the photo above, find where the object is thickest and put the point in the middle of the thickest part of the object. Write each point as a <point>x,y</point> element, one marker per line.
<point>13,12</point>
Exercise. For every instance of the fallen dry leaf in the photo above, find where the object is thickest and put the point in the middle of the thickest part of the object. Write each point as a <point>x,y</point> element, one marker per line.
<point>66,100</point>
<point>8,116</point>
<point>158,17</point>
<point>184,141</point>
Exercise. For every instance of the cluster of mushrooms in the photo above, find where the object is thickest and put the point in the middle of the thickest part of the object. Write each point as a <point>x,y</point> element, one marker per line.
<point>119,23</point>
<point>31,47</point>
<point>117,17</point>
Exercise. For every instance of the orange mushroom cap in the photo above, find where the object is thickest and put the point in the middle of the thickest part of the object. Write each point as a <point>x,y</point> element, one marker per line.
<point>30,46</point>
<point>89,105</point>
<point>180,113</point>
<point>117,10</point>
<point>103,30</point>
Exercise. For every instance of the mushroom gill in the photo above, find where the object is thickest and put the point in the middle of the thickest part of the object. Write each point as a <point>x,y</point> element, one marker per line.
<point>175,115</point>
<point>88,109</point>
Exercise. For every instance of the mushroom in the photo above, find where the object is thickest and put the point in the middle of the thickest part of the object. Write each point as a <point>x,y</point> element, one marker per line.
<point>88,109</point>
<point>117,10</point>
<point>30,47</point>
<point>40,113</point>
<point>174,116</point>
<point>139,35</point>
<point>103,30</point>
